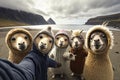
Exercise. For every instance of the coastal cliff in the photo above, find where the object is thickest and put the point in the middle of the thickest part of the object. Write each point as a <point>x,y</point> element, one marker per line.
<point>114,20</point>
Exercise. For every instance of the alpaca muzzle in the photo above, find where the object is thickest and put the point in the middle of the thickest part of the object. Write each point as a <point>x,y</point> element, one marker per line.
<point>21,46</point>
<point>61,43</point>
<point>42,46</point>
<point>76,45</point>
<point>97,44</point>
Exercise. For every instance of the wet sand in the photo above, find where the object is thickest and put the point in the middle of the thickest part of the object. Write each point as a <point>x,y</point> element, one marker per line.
<point>114,53</point>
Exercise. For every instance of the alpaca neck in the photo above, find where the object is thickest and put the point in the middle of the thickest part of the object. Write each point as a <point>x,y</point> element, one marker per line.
<point>16,57</point>
<point>98,57</point>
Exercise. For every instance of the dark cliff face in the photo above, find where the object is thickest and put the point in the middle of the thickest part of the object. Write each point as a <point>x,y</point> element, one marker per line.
<point>51,21</point>
<point>114,20</point>
<point>21,16</point>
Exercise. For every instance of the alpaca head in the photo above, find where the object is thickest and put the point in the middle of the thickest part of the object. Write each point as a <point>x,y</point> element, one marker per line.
<point>19,40</point>
<point>44,41</point>
<point>99,39</point>
<point>61,39</point>
<point>77,40</point>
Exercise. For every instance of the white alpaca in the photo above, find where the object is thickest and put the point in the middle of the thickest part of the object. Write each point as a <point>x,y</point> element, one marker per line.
<point>61,43</point>
<point>98,65</point>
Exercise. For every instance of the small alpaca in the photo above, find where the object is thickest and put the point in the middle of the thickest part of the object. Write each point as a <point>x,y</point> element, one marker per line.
<point>77,53</point>
<point>19,43</point>
<point>98,65</point>
<point>61,44</point>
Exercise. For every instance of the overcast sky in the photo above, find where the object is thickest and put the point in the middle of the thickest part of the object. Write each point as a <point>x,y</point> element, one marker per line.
<point>65,11</point>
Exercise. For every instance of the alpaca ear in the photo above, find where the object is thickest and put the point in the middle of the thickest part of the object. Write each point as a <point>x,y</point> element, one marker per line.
<point>71,31</point>
<point>105,23</point>
<point>81,31</point>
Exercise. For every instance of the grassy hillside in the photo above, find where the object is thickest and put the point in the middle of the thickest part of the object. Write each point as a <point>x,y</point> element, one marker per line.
<point>5,22</point>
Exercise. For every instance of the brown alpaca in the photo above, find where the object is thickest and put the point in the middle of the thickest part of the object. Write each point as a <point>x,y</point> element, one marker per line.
<point>98,65</point>
<point>19,43</point>
<point>78,52</point>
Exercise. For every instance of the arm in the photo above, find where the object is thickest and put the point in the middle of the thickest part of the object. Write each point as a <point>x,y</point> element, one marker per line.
<point>10,71</point>
<point>52,63</point>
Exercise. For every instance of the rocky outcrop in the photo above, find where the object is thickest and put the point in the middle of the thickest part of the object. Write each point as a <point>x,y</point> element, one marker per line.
<point>21,16</point>
<point>114,20</point>
<point>51,21</point>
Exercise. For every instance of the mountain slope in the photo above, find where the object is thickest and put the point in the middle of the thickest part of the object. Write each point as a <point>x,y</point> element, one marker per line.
<point>21,16</point>
<point>51,21</point>
<point>114,20</point>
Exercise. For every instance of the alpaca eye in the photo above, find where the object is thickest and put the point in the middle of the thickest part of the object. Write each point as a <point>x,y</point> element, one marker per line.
<point>65,39</point>
<point>41,37</point>
<point>80,37</point>
<point>50,41</point>
<point>57,38</point>
<point>103,36</point>
<point>91,38</point>
<point>26,37</point>
<point>13,39</point>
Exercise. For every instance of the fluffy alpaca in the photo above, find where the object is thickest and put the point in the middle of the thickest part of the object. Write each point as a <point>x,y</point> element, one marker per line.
<point>61,44</point>
<point>98,65</point>
<point>77,48</point>
<point>19,43</point>
<point>77,53</point>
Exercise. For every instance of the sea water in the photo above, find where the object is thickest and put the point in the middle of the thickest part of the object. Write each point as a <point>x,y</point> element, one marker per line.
<point>66,27</point>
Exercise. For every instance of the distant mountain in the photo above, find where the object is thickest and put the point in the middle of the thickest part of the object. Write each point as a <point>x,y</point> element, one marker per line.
<point>114,20</point>
<point>51,21</point>
<point>21,16</point>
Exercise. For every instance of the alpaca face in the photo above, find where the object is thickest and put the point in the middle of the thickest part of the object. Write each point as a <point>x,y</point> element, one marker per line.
<point>69,56</point>
<point>20,41</point>
<point>98,41</point>
<point>77,42</point>
<point>44,43</point>
<point>61,41</point>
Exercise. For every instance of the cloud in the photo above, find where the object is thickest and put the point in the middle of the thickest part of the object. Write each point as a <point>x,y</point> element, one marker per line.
<point>84,7</point>
<point>24,5</point>
<point>65,9</point>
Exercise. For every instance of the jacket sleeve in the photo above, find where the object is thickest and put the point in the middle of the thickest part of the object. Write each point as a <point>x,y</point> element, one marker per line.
<point>10,71</point>
<point>51,63</point>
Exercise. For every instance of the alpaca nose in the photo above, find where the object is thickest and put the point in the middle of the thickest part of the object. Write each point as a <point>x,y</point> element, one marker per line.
<point>42,46</point>
<point>61,41</point>
<point>43,43</point>
<point>71,55</point>
<point>21,43</point>
<point>96,41</point>
<point>76,42</point>
<point>21,46</point>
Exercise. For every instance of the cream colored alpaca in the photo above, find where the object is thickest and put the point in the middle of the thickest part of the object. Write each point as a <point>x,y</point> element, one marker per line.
<point>19,43</point>
<point>61,44</point>
<point>98,66</point>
